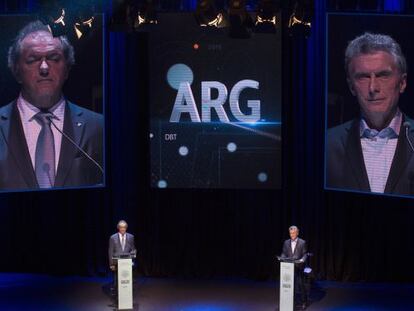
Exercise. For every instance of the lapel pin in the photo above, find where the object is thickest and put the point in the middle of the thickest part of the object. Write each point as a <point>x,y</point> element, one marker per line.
<point>78,123</point>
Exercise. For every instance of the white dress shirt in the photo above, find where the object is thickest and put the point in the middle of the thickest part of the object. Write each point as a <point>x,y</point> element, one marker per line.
<point>31,127</point>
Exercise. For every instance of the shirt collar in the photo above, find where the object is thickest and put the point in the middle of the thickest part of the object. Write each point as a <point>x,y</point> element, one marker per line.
<point>391,131</point>
<point>28,111</point>
<point>295,240</point>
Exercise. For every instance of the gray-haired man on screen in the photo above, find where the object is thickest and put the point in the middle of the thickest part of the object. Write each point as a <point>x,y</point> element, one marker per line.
<point>373,152</point>
<point>41,132</point>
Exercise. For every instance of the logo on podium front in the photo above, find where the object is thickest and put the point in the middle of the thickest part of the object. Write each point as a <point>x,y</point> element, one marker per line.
<point>287,277</point>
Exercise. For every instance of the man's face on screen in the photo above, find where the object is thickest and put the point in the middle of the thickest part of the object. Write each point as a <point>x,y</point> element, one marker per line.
<point>41,69</point>
<point>293,233</point>
<point>377,83</point>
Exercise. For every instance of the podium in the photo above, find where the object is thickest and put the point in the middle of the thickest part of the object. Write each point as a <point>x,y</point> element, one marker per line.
<point>287,284</point>
<point>124,281</point>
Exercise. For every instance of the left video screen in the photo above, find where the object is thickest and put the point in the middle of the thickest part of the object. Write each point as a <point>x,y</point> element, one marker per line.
<point>52,106</point>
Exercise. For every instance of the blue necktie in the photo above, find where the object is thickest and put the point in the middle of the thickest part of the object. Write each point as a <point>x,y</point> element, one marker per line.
<point>45,152</point>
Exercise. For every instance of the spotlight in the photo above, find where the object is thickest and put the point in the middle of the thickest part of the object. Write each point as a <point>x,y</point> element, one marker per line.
<point>239,19</point>
<point>301,17</point>
<point>206,14</point>
<point>84,21</point>
<point>54,16</point>
<point>147,15</point>
<point>266,17</point>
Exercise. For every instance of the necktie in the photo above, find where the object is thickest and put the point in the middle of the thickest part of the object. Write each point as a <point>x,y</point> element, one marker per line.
<point>123,242</point>
<point>45,152</point>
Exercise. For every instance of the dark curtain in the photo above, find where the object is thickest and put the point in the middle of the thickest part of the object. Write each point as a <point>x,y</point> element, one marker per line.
<point>211,233</point>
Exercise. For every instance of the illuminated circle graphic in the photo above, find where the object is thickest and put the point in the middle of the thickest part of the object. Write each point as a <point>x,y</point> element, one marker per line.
<point>262,177</point>
<point>162,184</point>
<point>179,73</point>
<point>231,147</point>
<point>151,135</point>
<point>183,151</point>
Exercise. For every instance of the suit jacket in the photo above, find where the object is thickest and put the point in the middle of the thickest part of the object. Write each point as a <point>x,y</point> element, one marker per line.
<point>301,250</point>
<point>85,127</point>
<point>115,248</point>
<point>345,167</point>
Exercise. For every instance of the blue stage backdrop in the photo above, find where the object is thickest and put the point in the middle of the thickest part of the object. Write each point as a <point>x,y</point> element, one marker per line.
<point>204,232</point>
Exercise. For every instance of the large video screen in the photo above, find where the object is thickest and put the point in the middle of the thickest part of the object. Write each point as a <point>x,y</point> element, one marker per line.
<point>215,105</point>
<point>370,131</point>
<point>51,110</point>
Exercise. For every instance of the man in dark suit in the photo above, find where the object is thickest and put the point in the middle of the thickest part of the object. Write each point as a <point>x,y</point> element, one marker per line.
<point>373,152</point>
<point>120,243</point>
<point>295,249</point>
<point>46,141</point>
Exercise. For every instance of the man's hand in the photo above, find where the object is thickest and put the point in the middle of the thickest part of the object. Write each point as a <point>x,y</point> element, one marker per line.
<point>112,267</point>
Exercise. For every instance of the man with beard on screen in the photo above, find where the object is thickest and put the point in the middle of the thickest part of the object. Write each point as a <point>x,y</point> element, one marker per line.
<point>373,152</point>
<point>45,140</point>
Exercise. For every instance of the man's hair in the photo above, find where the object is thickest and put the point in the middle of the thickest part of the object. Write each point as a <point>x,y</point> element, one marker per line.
<point>293,228</point>
<point>369,43</point>
<point>16,47</point>
<point>122,222</point>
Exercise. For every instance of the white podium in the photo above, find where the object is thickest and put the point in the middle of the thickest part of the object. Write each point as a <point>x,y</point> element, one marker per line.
<point>287,285</point>
<point>125,283</point>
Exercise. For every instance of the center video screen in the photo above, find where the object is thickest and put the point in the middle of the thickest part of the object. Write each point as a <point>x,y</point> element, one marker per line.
<point>52,103</point>
<point>215,107</point>
<point>369,143</point>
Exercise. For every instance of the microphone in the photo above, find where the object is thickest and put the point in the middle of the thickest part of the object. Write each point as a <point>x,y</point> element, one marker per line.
<point>407,126</point>
<point>77,146</point>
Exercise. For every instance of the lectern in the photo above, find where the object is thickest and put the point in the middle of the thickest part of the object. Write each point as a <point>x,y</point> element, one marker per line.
<point>124,281</point>
<point>287,283</point>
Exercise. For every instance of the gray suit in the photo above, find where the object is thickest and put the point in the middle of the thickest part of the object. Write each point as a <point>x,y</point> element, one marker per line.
<point>115,248</point>
<point>85,127</point>
<point>300,253</point>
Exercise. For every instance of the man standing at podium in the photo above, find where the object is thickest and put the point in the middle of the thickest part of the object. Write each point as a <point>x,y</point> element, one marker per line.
<point>120,243</point>
<point>295,249</point>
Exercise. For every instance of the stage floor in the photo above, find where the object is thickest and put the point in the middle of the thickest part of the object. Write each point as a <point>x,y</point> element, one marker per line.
<point>41,292</point>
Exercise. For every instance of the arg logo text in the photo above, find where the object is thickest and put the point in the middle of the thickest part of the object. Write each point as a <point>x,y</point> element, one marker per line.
<point>180,77</point>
